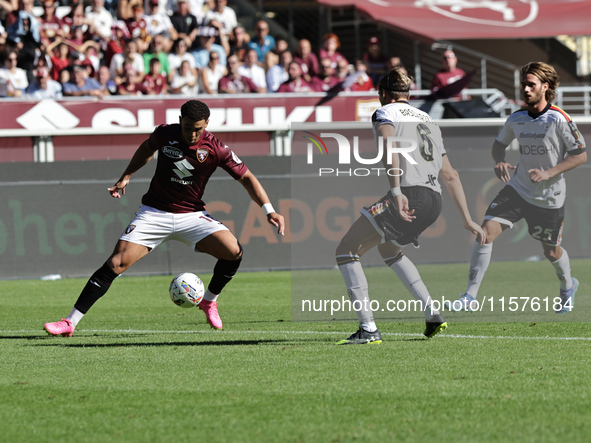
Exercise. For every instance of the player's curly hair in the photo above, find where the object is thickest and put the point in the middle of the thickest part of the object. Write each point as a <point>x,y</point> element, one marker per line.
<point>396,84</point>
<point>546,74</point>
<point>195,110</point>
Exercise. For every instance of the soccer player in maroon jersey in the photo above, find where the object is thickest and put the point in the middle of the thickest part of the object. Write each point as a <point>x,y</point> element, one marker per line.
<point>173,209</point>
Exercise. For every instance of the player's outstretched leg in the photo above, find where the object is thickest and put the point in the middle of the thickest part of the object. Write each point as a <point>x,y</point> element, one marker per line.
<point>479,261</point>
<point>409,275</point>
<point>223,272</point>
<point>97,286</point>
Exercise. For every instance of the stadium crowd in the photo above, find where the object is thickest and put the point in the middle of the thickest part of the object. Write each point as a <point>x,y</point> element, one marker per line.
<point>182,47</point>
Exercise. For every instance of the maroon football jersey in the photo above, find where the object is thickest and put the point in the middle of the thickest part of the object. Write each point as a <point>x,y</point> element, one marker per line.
<point>182,171</point>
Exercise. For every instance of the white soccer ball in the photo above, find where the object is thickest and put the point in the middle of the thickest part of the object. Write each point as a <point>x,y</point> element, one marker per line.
<point>186,290</point>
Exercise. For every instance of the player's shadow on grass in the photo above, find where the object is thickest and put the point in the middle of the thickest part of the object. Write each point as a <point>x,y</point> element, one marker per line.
<point>176,343</point>
<point>23,337</point>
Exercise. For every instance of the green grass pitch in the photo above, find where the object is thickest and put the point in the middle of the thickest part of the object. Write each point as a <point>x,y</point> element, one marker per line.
<point>140,369</point>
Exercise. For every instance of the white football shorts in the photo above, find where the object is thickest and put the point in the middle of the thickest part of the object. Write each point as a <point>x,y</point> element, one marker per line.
<point>150,227</point>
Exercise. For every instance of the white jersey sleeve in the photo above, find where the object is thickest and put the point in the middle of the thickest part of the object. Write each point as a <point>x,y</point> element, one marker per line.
<point>420,166</point>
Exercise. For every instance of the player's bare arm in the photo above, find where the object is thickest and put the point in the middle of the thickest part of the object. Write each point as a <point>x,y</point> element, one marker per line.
<point>570,162</point>
<point>259,196</point>
<point>140,158</point>
<point>451,180</point>
<point>502,168</point>
<point>394,163</point>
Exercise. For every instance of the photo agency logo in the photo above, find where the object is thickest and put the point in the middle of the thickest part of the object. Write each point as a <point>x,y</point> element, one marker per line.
<point>349,156</point>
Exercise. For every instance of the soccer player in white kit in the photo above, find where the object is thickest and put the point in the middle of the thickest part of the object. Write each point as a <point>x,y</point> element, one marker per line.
<point>549,145</point>
<point>410,207</point>
<point>172,209</point>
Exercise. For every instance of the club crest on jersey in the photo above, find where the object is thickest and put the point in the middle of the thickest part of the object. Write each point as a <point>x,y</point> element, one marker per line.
<point>171,152</point>
<point>129,229</point>
<point>202,155</point>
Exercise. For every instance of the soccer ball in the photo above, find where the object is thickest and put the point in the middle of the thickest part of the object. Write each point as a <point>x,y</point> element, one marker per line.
<point>186,290</point>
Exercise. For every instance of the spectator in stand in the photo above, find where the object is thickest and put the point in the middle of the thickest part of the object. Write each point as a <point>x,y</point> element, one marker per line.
<point>64,76</point>
<point>11,10</point>
<point>75,38</point>
<point>44,87</point>
<point>393,62</point>
<point>343,69</point>
<point>58,52</point>
<point>271,59</point>
<point>253,71</point>
<point>184,82</point>
<point>116,45</point>
<point>263,42</point>
<point>130,52</point>
<point>101,20</point>
<point>186,25</point>
<point>295,83</point>
<point>234,83</point>
<point>330,44</point>
<point>89,70</point>
<point>154,81</point>
<point>375,60</point>
<point>307,60</point>
<point>449,74</point>
<point>108,86</point>
<point>277,74</point>
<point>133,14</point>
<point>178,55</point>
<point>211,74</point>
<point>159,22</point>
<point>131,85</point>
<point>224,15</point>
<point>327,78</point>
<point>196,7</point>
<point>280,46</point>
<point>79,85</point>
<point>239,42</point>
<point>24,35</point>
<point>75,21</point>
<point>358,80</point>
<point>157,51</point>
<point>208,44</point>
<point>14,77</point>
<point>51,26</point>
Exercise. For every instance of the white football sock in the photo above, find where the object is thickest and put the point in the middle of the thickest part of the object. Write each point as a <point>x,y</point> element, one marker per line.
<point>369,326</point>
<point>358,289</point>
<point>562,267</point>
<point>209,296</point>
<point>409,275</point>
<point>479,261</point>
<point>75,316</point>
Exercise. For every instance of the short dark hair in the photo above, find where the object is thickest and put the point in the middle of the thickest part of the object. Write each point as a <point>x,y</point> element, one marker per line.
<point>195,110</point>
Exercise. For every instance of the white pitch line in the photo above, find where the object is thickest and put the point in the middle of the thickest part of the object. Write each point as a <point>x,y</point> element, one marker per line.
<point>399,334</point>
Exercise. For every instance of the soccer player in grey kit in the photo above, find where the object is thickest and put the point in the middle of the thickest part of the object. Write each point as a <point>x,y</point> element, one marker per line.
<point>549,145</point>
<point>410,207</point>
<point>172,209</point>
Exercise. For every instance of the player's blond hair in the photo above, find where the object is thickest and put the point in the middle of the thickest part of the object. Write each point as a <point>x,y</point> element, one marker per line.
<point>396,83</point>
<point>546,74</point>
